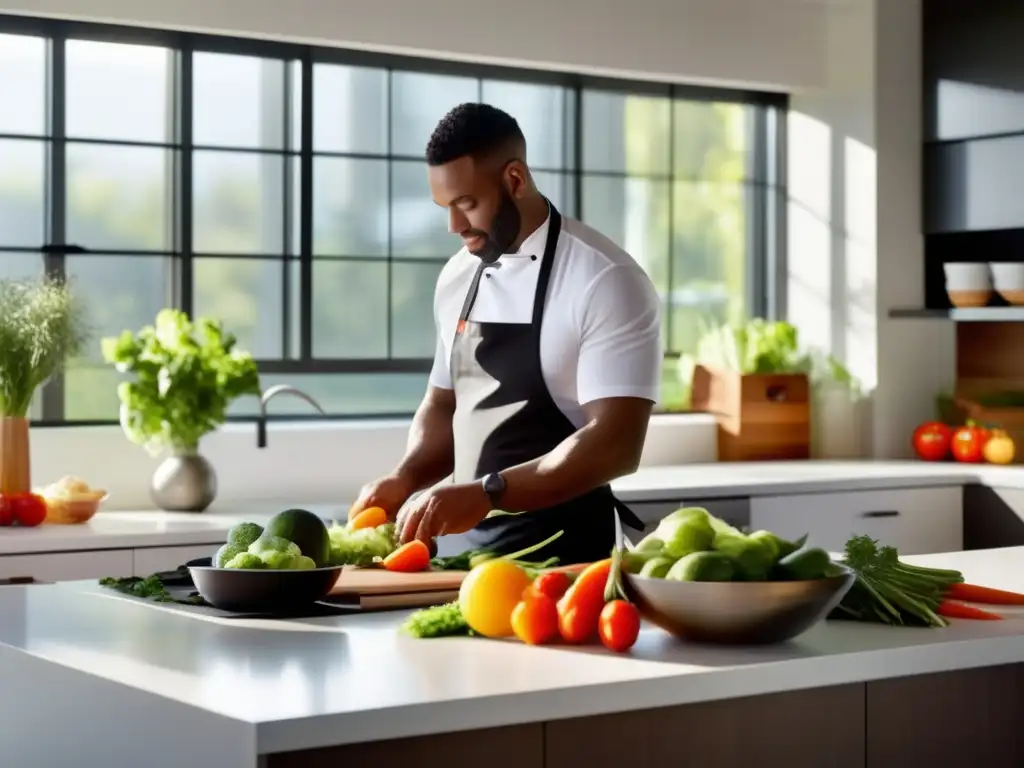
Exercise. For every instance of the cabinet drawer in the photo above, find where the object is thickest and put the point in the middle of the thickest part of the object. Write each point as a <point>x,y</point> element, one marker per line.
<point>153,559</point>
<point>68,566</point>
<point>915,521</point>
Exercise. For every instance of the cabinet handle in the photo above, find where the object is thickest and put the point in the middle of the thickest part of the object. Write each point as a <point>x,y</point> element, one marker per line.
<point>17,580</point>
<point>881,513</point>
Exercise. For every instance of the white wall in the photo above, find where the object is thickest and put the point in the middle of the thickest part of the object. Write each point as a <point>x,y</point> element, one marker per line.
<point>767,43</point>
<point>855,245</point>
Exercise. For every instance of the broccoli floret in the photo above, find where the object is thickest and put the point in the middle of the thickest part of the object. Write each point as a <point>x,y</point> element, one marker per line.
<point>265,544</point>
<point>244,534</point>
<point>245,560</point>
<point>279,561</point>
<point>226,552</point>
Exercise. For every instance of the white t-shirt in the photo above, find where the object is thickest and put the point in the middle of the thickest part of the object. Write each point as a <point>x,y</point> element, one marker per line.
<point>601,335</point>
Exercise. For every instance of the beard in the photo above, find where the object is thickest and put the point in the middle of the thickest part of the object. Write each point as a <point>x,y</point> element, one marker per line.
<point>503,232</point>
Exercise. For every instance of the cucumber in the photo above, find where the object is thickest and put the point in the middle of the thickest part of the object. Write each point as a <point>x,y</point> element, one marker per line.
<point>806,564</point>
<point>702,566</point>
<point>657,567</point>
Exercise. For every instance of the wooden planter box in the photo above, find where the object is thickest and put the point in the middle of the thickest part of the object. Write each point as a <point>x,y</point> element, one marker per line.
<point>761,417</point>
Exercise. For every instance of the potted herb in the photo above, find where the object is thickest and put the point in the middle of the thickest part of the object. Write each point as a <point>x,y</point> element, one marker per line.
<point>41,326</point>
<point>186,375</point>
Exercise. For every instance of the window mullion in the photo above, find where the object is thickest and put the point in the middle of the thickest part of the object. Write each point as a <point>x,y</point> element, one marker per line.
<point>185,92</point>
<point>54,258</point>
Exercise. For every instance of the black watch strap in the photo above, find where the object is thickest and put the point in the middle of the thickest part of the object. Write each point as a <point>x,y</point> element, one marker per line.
<point>494,486</point>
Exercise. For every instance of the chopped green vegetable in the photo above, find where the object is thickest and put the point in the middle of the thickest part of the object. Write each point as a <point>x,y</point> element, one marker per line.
<point>303,563</point>
<point>246,561</point>
<point>650,543</point>
<point>751,557</point>
<point>470,559</point>
<point>633,561</point>
<point>362,546</point>
<point>149,588</point>
<point>889,591</point>
<point>656,567</point>
<point>280,561</point>
<point>265,545</point>
<point>702,566</point>
<point>437,621</point>
<point>686,530</point>
<point>805,564</point>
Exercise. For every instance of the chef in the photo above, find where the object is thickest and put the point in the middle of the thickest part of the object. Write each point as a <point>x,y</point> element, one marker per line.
<point>547,365</point>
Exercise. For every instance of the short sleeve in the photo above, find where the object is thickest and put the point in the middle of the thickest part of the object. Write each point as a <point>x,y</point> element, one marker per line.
<point>440,372</point>
<point>620,342</point>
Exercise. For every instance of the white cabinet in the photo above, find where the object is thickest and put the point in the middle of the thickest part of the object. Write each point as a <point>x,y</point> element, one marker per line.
<point>68,566</point>
<point>154,559</point>
<point>915,521</point>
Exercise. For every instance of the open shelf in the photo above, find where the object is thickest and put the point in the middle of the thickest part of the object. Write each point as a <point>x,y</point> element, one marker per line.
<point>976,315</point>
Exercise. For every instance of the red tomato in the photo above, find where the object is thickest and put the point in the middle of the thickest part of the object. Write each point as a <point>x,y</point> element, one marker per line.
<point>27,509</point>
<point>932,441</point>
<point>554,584</point>
<point>969,443</point>
<point>6,518</point>
<point>619,626</point>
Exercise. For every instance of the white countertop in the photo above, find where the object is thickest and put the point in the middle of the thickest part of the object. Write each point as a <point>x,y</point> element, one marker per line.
<point>135,529</point>
<point>254,687</point>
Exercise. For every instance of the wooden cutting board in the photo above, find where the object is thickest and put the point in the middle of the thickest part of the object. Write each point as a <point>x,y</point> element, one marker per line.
<point>376,581</point>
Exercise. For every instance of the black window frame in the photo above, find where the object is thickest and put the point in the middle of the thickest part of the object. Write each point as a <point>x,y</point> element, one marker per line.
<point>764,181</point>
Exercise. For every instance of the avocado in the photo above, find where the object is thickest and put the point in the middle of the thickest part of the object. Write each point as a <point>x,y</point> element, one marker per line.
<point>305,530</point>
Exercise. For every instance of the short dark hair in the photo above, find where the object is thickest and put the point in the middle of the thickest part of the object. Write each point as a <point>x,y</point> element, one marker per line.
<point>472,129</point>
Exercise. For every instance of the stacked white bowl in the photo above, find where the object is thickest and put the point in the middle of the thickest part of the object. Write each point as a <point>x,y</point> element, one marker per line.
<point>1008,280</point>
<point>968,284</point>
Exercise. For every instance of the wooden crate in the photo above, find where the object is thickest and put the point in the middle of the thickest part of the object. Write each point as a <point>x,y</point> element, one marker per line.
<point>989,362</point>
<point>760,417</point>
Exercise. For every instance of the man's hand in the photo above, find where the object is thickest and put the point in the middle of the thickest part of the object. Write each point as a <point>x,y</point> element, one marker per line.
<point>389,493</point>
<point>443,510</point>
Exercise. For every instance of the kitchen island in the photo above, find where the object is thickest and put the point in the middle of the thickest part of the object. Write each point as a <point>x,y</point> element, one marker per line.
<point>94,679</point>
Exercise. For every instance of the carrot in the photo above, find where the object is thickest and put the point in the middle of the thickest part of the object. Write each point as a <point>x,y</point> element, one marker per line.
<point>973,593</point>
<point>370,517</point>
<point>953,610</point>
<point>580,607</point>
<point>409,558</point>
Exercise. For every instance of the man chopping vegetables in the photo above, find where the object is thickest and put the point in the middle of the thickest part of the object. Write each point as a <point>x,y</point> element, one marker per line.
<point>548,363</point>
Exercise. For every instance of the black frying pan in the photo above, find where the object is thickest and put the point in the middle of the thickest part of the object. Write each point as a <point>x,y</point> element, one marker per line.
<point>257,591</point>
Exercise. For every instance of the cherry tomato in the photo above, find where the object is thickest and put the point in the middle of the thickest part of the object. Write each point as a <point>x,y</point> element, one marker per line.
<point>969,443</point>
<point>27,509</point>
<point>554,584</point>
<point>535,619</point>
<point>932,441</point>
<point>577,624</point>
<point>6,517</point>
<point>619,626</point>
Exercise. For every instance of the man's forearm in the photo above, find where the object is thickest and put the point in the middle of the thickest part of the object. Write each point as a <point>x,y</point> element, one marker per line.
<point>591,457</point>
<point>430,450</point>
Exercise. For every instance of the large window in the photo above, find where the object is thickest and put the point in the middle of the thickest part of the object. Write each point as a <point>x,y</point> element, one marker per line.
<point>282,189</point>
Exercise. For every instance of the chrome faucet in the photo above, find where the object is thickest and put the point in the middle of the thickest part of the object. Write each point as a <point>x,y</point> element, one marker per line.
<point>270,394</point>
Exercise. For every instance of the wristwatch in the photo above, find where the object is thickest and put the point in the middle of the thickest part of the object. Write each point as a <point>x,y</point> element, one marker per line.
<point>494,486</point>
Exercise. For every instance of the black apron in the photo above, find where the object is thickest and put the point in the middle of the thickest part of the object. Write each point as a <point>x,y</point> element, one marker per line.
<point>505,415</point>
